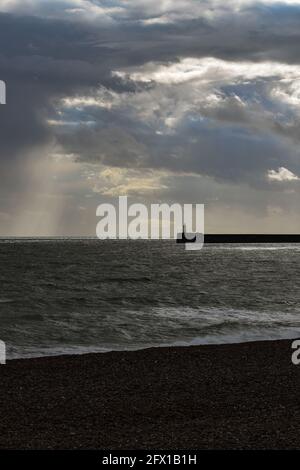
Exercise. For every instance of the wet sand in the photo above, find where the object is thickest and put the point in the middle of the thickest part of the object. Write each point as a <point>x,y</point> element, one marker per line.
<point>244,396</point>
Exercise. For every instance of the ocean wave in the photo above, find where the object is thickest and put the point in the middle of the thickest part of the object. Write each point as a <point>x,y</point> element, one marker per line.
<point>258,248</point>
<point>97,297</point>
<point>132,329</point>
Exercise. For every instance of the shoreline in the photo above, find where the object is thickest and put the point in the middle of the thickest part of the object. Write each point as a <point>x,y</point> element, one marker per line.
<point>228,396</point>
<point>147,348</point>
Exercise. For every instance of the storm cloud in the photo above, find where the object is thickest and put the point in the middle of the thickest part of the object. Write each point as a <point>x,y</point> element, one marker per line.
<point>158,99</point>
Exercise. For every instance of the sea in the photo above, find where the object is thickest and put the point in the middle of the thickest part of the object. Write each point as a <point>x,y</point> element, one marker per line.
<point>75,296</point>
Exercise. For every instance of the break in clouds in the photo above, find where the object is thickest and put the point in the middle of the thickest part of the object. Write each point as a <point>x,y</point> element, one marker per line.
<point>170,100</point>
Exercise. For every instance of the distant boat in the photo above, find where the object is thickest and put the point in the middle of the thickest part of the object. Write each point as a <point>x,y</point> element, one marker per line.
<point>182,238</point>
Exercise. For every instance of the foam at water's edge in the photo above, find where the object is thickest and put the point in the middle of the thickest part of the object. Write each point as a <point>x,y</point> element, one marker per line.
<point>198,341</point>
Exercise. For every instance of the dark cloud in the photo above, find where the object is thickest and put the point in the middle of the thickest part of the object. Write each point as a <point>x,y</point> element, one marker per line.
<point>233,126</point>
<point>42,59</point>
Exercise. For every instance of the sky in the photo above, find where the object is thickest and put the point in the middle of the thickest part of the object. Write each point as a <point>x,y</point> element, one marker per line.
<point>189,101</point>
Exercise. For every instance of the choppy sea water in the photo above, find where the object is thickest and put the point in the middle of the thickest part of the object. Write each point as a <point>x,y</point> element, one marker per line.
<point>76,296</point>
